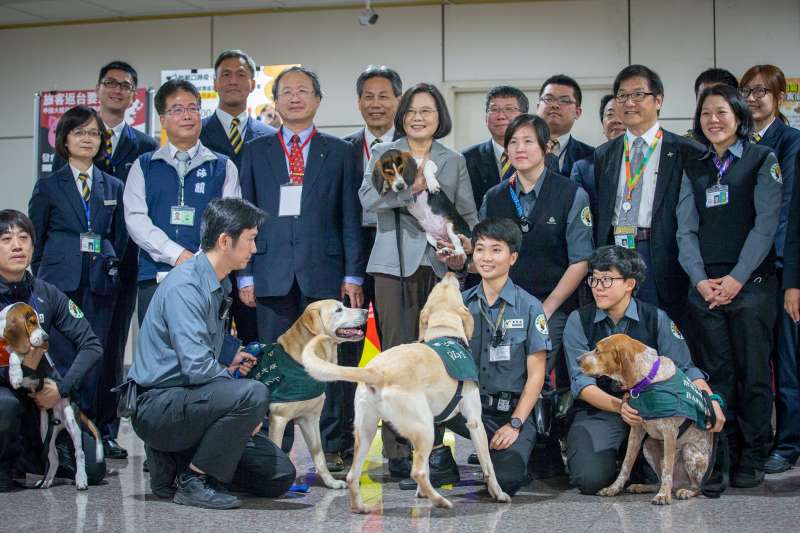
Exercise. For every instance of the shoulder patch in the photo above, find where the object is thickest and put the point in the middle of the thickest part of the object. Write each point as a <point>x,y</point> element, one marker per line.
<point>586,216</point>
<point>675,331</point>
<point>74,310</point>
<point>541,324</point>
<point>775,172</point>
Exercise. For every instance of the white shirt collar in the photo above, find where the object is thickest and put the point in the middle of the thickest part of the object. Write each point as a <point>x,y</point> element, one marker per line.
<point>89,172</point>
<point>648,136</point>
<point>385,138</point>
<point>499,150</point>
<point>226,118</point>
<point>174,150</point>
<point>117,130</point>
<point>764,131</point>
<point>562,143</point>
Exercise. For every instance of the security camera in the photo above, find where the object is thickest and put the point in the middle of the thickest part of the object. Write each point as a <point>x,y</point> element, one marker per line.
<point>368,17</point>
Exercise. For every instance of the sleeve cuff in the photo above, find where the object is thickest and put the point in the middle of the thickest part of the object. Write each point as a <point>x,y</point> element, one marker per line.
<point>695,373</point>
<point>354,280</point>
<point>739,274</point>
<point>244,281</point>
<point>581,382</point>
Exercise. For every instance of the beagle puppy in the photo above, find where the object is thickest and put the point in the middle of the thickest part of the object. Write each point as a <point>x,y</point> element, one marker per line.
<point>436,214</point>
<point>21,332</point>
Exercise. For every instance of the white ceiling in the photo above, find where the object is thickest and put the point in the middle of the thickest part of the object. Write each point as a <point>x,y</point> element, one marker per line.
<point>49,11</point>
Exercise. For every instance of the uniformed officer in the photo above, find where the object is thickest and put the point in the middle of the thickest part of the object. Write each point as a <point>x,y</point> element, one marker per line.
<point>20,442</point>
<point>509,345</point>
<point>601,415</point>
<point>167,190</point>
<point>728,212</point>
<point>556,222</point>
<point>80,239</point>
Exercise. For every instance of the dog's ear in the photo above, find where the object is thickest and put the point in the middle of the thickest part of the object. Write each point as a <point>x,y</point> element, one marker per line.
<point>378,179</point>
<point>626,351</point>
<point>409,168</point>
<point>423,322</point>
<point>468,321</point>
<point>312,321</point>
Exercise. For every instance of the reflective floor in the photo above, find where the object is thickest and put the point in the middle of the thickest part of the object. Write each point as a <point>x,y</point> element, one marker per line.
<point>125,504</point>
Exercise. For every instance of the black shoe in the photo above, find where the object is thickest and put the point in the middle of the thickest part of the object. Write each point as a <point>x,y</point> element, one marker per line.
<point>400,467</point>
<point>776,464</point>
<point>195,490</point>
<point>112,450</point>
<point>747,478</point>
<point>334,461</point>
<point>163,470</point>
<point>443,470</point>
<point>473,459</point>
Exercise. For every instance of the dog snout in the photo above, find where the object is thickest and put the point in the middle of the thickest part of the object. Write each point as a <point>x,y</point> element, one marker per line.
<point>399,185</point>
<point>39,337</point>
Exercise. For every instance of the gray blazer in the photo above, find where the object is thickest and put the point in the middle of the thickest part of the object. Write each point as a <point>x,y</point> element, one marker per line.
<point>452,175</point>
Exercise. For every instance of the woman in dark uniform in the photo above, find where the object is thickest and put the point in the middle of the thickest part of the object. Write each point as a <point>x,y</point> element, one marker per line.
<point>728,212</point>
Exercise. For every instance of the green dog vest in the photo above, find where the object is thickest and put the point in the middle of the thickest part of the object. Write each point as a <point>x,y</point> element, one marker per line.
<point>677,396</point>
<point>286,379</point>
<point>456,357</point>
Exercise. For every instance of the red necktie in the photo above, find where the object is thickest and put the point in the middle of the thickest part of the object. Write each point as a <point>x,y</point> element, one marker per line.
<point>297,166</point>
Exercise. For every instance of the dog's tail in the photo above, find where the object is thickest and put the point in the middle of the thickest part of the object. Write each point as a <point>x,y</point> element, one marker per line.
<point>98,442</point>
<point>316,363</point>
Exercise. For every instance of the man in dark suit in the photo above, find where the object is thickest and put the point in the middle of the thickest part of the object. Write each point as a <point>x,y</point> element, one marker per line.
<point>379,89</point>
<point>560,106</point>
<point>636,202</point>
<point>226,132</point>
<point>310,246</point>
<point>487,162</point>
<point>116,88</point>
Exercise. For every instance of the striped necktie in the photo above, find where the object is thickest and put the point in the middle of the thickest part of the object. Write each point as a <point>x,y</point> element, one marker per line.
<point>109,147</point>
<point>756,137</point>
<point>85,192</point>
<point>506,170</point>
<point>376,141</point>
<point>235,136</point>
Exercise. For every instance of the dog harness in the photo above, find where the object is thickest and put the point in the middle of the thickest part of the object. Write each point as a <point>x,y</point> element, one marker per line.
<point>677,396</point>
<point>460,366</point>
<point>286,379</point>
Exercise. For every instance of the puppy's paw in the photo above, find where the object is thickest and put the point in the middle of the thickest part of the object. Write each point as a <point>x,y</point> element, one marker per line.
<point>502,497</point>
<point>337,484</point>
<point>433,184</point>
<point>685,494</point>
<point>81,481</point>
<point>662,498</point>
<point>611,490</point>
<point>15,376</point>
<point>44,484</point>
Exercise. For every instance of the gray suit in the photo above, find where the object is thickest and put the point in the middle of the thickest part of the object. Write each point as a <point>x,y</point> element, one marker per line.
<point>454,179</point>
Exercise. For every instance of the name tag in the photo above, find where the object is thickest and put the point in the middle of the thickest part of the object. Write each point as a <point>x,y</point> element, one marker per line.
<point>109,202</point>
<point>625,236</point>
<point>291,197</point>
<point>514,323</point>
<point>717,195</point>
<point>91,243</point>
<point>181,216</point>
<point>500,353</point>
<point>200,188</point>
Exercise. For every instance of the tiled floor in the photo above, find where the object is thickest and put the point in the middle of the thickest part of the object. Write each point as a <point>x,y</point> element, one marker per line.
<point>125,504</point>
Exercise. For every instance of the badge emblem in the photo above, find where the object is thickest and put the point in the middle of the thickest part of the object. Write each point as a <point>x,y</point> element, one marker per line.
<point>675,331</point>
<point>201,173</point>
<point>541,324</point>
<point>775,172</point>
<point>551,221</point>
<point>200,188</point>
<point>74,310</point>
<point>586,216</point>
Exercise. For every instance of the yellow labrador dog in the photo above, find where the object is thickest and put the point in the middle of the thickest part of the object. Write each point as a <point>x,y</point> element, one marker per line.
<point>408,386</point>
<point>294,395</point>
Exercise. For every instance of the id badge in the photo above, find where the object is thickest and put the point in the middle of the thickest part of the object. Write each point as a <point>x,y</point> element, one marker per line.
<point>625,236</point>
<point>717,195</point>
<point>181,215</point>
<point>500,353</point>
<point>91,243</point>
<point>503,402</point>
<point>291,196</point>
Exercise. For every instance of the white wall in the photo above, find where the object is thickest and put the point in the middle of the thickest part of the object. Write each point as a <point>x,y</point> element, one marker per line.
<point>464,48</point>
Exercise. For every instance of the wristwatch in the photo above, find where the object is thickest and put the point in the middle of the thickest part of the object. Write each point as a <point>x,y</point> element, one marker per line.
<point>516,423</point>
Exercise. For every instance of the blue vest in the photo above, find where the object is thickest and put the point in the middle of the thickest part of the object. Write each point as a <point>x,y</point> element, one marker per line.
<point>162,192</point>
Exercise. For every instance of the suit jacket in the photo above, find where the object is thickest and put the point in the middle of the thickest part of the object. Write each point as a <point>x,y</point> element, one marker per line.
<point>322,245</point>
<point>576,151</point>
<point>583,175</point>
<point>56,209</point>
<point>791,252</point>
<point>482,168</point>
<point>214,136</point>
<point>671,281</point>
<point>454,179</point>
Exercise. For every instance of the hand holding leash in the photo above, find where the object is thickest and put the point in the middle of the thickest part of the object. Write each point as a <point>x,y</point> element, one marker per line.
<point>242,363</point>
<point>48,397</point>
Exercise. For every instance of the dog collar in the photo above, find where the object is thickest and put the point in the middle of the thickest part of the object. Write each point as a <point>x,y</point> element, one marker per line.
<point>648,379</point>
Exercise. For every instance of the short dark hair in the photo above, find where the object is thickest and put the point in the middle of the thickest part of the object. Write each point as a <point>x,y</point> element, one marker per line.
<point>641,71</point>
<point>628,263</point>
<point>73,118</point>
<point>498,229</point>
<point>11,218</point>
<point>230,216</point>
<point>379,71</point>
<point>236,54</point>
<point>563,79</point>
<point>715,76</point>
<point>119,65</point>
<point>534,121</point>
<point>445,122</point>
<point>738,106</point>
<point>603,103</point>
<point>169,88</point>
<point>303,70</point>
<point>508,91</point>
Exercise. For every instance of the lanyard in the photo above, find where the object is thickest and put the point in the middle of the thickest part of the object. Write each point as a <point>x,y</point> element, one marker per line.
<point>524,223</point>
<point>283,143</point>
<point>498,332</point>
<point>366,149</point>
<point>723,165</point>
<point>632,180</point>
<point>87,210</point>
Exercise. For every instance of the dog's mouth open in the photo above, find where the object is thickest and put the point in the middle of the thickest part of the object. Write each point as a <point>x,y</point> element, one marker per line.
<point>356,333</point>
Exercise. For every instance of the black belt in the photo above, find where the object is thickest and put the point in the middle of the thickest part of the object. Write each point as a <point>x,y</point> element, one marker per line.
<point>490,402</point>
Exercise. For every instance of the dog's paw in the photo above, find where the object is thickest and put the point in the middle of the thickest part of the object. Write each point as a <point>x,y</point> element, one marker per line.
<point>81,481</point>
<point>359,508</point>
<point>15,376</point>
<point>662,499</point>
<point>44,484</point>
<point>685,494</point>
<point>433,184</point>
<point>502,497</point>
<point>337,484</point>
<point>442,502</point>
<point>611,490</point>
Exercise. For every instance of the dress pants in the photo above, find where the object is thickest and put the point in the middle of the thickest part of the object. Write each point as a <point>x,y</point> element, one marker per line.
<point>734,345</point>
<point>147,289</point>
<point>786,366</point>
<point>399,302</point>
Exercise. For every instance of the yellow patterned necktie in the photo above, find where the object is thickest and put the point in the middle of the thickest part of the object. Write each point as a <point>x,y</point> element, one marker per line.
<point>85,192</point>
<point>235,137</point>
<point>506,170</point>
<point>109,146</point>
<point>756,137</point>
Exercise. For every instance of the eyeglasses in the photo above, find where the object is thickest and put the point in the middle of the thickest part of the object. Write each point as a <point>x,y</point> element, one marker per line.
<point>550,100</point>
<point>425,112</point>
<point>110,83</point>
<point>300,93</point>
<point>635,97</point>
<point>607,281</point>
<point>508,110</point>
<point>81,133</point>
<point>179,110</point>
<point>758,92</point>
